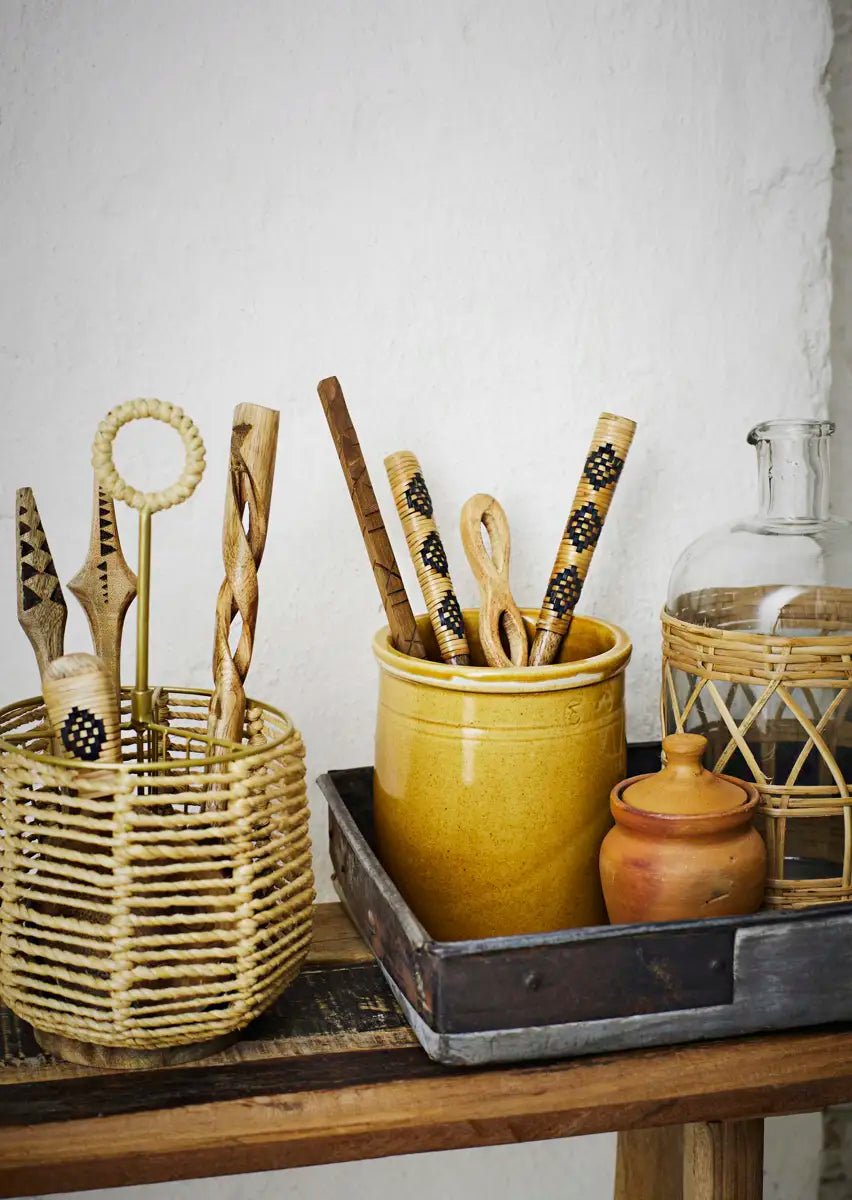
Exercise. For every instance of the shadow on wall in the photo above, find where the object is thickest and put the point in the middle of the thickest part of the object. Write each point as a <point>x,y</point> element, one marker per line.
<point>840,232</point>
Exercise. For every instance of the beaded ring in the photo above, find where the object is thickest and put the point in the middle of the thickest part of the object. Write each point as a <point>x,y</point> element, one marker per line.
<point>105,469</point>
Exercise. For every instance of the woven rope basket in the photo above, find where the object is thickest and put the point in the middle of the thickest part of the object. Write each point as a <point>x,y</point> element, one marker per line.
<point>161,902</point>
<point>775,709</point>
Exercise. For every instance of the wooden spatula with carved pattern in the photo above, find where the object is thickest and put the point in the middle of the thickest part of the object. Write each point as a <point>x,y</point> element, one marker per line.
<point>105,585</point>
<point>42,612</point>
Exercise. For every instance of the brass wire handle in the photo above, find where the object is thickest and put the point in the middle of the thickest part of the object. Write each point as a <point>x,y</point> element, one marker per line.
<point>146,503</point>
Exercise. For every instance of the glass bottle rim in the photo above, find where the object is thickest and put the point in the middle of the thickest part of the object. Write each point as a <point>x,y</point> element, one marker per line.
<point>790,427</point>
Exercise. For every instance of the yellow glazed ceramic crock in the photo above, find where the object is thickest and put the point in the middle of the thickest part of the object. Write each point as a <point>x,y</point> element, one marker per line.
<point>492,785</point>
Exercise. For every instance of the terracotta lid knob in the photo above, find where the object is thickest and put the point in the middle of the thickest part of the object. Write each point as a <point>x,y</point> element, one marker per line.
<point>685,750</point>
<point>684,786</point>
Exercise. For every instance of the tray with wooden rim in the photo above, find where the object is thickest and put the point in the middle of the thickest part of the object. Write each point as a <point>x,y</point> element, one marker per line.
<point>590,990</point>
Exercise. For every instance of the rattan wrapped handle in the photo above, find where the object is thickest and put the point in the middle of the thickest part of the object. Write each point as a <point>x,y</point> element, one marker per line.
<point>498,610</point>
<point>414,505</point>
<point>105,470</point>
<point>601,472</point>
<point>146,503</point>
<point>82,707</point>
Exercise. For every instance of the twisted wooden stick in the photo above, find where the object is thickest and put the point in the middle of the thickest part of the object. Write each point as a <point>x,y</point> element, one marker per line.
<point>414,505</point>
<point>254,440</point>
<point>601,472</point>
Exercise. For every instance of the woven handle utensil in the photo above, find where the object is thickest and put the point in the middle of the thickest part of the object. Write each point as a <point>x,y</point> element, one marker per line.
<point>498,611</point>
<point>414,505</point>
<point>146,504</point>
<point>601,472</point>
<point>82,707</point>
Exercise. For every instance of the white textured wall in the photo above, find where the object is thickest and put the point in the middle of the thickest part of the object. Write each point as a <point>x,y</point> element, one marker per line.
<point>490,220</point>
<point>840,228</point>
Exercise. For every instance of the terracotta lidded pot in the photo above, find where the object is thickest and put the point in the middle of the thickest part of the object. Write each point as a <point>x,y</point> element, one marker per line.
<point>683,845</point>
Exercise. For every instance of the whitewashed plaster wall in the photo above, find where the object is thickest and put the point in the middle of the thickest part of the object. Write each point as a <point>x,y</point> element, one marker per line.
<point>491,220</point>
<point>840,230</point>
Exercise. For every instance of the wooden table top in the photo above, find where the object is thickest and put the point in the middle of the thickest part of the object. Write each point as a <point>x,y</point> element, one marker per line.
<point>332,1072</point>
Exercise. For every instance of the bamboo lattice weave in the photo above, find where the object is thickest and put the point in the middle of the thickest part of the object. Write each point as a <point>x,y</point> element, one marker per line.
<point>775,708</point>
<point>134,914</point>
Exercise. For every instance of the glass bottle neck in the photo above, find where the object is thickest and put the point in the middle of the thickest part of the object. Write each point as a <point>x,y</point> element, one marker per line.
<point>793,474</point>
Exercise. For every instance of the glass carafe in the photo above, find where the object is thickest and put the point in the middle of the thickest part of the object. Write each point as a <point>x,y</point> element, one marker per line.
<point>757,641</point>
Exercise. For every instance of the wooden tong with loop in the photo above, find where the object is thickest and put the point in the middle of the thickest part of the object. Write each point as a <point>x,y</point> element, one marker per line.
<point>498,610</point>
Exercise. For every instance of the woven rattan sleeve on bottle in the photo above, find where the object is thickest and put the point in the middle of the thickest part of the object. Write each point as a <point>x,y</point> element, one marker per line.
<point>414,505</point>
<point>776,710</point>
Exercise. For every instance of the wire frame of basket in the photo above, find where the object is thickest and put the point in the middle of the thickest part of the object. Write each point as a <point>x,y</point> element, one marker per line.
<point>775,710</point>
<point>156,905</point>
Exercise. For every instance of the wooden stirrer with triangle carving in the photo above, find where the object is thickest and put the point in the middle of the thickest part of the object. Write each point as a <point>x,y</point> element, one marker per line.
<point>105,585</point>
<point>41,606</point>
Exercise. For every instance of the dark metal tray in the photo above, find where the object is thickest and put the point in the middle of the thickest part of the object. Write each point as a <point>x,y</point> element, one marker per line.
<point>582,991</point>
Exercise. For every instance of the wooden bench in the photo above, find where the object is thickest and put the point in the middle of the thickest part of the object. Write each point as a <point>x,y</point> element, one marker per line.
<point>333,1073</point>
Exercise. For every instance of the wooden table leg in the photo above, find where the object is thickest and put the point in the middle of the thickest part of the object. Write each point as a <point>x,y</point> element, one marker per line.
<point>649,1164</point>
<point>723,1160</point>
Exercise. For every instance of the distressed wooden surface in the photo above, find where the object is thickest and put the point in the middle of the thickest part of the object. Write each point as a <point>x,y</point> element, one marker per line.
<point>332,1073</point>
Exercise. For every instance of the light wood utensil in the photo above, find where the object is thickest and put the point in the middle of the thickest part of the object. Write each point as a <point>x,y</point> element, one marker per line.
<point>42,612</point>
<point>498,611</point>
<point>254,442</point>
<point>601,472</point>
<point>82,707</point>
<point>414,505</point>
<point>146,504</point>
<point>105,584</point>
<point>400,618</point>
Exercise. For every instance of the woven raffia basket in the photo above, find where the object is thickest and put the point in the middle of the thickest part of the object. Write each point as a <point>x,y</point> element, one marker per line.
<point>775,709</point>
<point>152,908</point>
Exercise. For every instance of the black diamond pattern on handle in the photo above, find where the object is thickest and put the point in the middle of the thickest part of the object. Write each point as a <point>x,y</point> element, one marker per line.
<point>83,734</point>
<point>563,591</point>
<point>584,527</point>
<point>433,554</point>
<point>417,496</point>
<point>450,616</point>
<point>603,466</point>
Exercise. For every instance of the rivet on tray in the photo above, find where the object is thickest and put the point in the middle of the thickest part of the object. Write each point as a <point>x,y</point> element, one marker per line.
<point>532,981</point>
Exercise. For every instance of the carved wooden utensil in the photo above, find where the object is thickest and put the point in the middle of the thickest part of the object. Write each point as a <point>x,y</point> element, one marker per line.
<point>82,707</point>
<point>254,441</point>
<point>498,611</point>
<point>414,505</point>
<point>601,472</point>
<point>105,584</point>
<point>42,612</point>
<point>400,618</point>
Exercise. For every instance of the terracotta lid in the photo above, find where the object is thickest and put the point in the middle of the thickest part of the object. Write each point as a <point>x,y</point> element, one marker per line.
<point>684,786</point>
